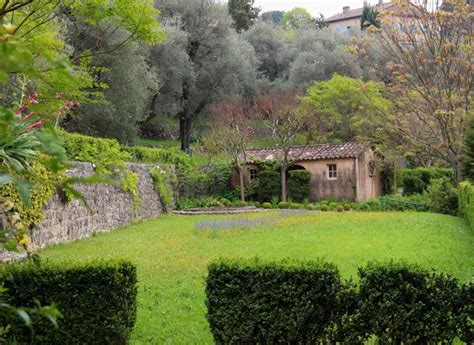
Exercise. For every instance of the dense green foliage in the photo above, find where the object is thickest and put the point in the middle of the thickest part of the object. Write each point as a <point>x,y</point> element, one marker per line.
<point>97,301</point>
<point>254,302</point>
<point>468,154</point>
<point>308,303</point>
<point>299,185</point>
<point>414,202</point>
<point>243,13</point>
<point>347,109</point>
<point>43,184</point>
<point>402,304</point>
<point>466,202</point>
<point>172,256</point>
<point>416,181</point>
<point>443,196</point>
<point>268,185</point>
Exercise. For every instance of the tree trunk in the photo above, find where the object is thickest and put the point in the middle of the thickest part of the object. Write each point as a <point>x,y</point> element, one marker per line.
<point>242,184</point>
<point>185,132</point>
<point>283,182</point>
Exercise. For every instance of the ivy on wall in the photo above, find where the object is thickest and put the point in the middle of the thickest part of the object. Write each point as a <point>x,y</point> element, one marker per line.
<point>44,185</point>
<point>163,180</point>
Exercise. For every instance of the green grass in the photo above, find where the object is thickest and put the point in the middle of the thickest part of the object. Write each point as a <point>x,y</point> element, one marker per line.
<point>172,257</point>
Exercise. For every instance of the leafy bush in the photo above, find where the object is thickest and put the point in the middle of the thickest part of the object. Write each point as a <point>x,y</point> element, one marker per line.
<point>269,303</point>
<point>347,207</point>
<point>311,207</point>
<point>371,205</point>
<point>466,202</point>
<point>306,303</point>
<point>443,197</point>
<point>185,203</point>
<point>239,203</point>
<point>283,204</point>
<point>324,208</point>
<point>98,301</point>
<point>299,185</point>
<point>416,181</point>
<point>268,185</point>
<point>267,205</point>
<point>403,304</point>
<point>295,205</point>
<point>414,202</point>
<point>339,208</point>
<point>225,202</point>
<point>106,154</point>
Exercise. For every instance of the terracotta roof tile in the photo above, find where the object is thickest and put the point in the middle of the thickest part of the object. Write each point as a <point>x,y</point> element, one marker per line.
<point>311,152</point>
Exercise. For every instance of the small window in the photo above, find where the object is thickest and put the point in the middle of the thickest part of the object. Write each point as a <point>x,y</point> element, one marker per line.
<point>253,174</point>
<point>337,28</point>
<point>332,171</point>
<point>347,30</point>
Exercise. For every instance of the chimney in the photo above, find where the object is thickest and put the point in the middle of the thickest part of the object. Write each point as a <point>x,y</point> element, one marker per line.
<point>346,9</point>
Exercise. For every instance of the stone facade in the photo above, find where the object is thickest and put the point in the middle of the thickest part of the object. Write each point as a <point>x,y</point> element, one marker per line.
<point>357,175</point>
<point>108,208</point>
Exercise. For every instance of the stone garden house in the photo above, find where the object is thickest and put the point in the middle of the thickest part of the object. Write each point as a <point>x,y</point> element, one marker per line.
<point>346,171</point>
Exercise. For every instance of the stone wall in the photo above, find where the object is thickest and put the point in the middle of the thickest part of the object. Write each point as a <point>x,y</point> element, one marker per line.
<point>109,208</point>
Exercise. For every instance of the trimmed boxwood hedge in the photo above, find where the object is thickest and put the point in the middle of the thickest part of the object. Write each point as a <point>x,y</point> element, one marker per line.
<point>97,301</point>
<point>266,303</point>
<point>252,302</point>
<point>466,202</point>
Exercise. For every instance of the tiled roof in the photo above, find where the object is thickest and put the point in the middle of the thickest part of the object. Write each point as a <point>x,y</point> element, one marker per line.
<point>357,12</point>
<point>310,152</point>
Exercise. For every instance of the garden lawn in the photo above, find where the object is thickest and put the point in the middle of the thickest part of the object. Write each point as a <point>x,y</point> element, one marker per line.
<point>171,256</point>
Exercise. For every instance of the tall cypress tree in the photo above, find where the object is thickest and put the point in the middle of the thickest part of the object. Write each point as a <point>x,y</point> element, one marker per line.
<point>468,154</point>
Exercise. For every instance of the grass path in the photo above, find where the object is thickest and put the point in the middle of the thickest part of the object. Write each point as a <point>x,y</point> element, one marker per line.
<point>172,256</point>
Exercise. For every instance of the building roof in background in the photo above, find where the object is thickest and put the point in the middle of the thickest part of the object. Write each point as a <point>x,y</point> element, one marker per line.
<point>310,152</point>
<point>355,13</point>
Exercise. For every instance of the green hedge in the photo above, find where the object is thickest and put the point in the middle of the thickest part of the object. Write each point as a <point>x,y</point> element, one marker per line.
<point>415,202</point>
<point>266,303</point>
<point>149,155</point>
<point>98,301</point>
<point>466,202</point>
<point>416,181</point>
<point>299,185</point>
<point>307,303</point>
<point>398,304</point>
<point>268,185</point>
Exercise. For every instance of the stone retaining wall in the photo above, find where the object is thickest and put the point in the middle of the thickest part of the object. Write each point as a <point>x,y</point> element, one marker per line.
<point>109,208</point>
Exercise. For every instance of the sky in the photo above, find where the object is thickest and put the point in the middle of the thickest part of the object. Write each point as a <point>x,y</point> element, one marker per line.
<point>326,7</point>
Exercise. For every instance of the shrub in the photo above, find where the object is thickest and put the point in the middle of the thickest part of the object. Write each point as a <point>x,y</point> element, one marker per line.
<point>324,202</point>
<point>371,205</point>
<point>324,208</point>
<point>443,197</point>
<point>257,204</point>
<point>416,181</point>
<point>206,202</point>
<point>283,204</point>
<point>466,202</point>
<point>405,304</point>
<point>268,185</point>
<point>468,153</point>
<point>225,202</point>
<point>339,208</point>
<point>347,207</point>
<point>311,207</point>
<point>239,203</point>
<point>414,202</point>
<point>295,205</point>
<point>267,205</point>
<point>299,184</point>
<point>98,301</point>
<point>270,303</point>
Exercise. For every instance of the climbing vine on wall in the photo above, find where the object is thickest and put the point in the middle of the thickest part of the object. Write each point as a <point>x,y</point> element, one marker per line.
<point>163,180</point>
